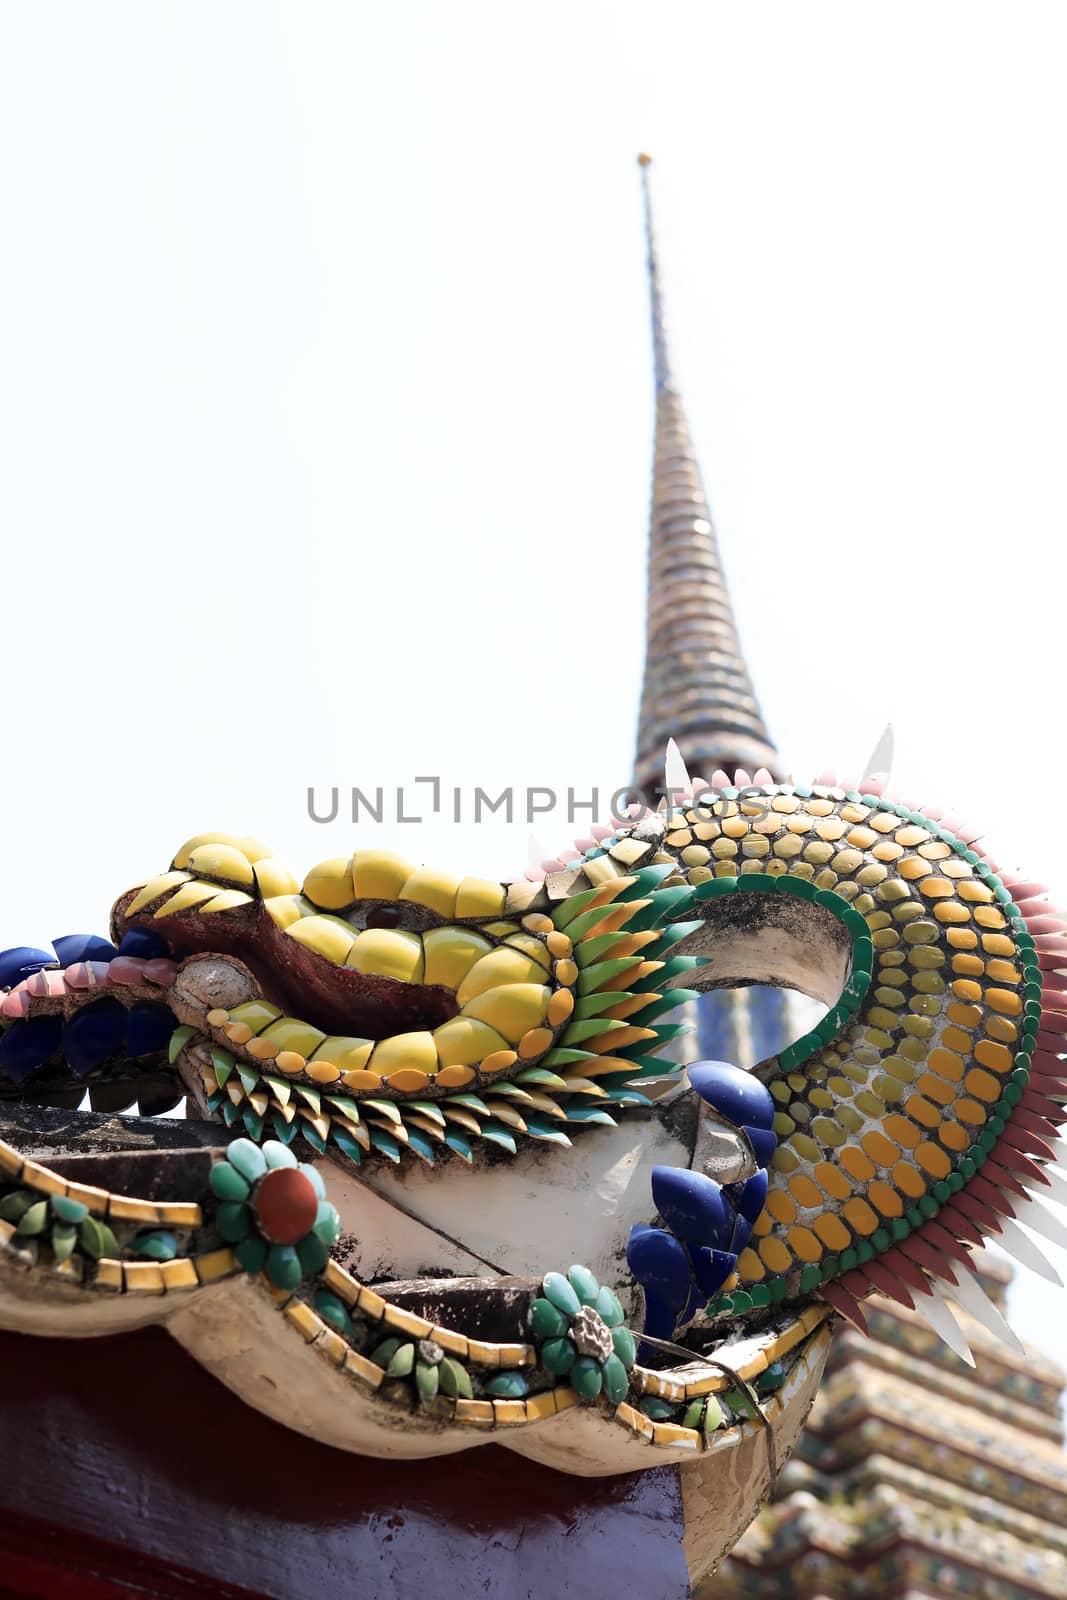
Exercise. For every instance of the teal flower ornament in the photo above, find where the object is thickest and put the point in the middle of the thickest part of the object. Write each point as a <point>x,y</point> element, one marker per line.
<point>273,1210</point>
<point>578,1326</point>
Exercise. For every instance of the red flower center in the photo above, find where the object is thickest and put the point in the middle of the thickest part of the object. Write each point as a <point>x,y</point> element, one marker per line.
<point>286,1205</point>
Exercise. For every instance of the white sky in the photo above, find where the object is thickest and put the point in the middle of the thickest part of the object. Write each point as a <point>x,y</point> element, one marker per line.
<point>325,403</point>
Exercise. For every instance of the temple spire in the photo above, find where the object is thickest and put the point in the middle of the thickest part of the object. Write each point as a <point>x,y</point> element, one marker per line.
<point>696,689</point>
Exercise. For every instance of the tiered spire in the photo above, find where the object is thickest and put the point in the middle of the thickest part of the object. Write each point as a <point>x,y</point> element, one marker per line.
<point>697,689</point>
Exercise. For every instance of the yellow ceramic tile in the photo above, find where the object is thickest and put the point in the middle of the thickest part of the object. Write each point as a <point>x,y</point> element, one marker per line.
<point>540,1406</point>
<point>108,1274</point>
<point>452,1343</point>
<point>363,1369</point>
<point>41,1178</point>
<point>332,1346</point>
<point>179,1213</point>
<point>342,1284</point>
<point>435,890</point>
<point>11,1162</point>
<point>143,1277</point>
<point>508,1413</point>
<point>475,1413</point>
<point>303,1318</point>
<point>179,1275</point>
<point>329,884</point>
<point>379,874</point>
<point>129,1210</point>
<point>215,1264</point>
<point>406,1322</point>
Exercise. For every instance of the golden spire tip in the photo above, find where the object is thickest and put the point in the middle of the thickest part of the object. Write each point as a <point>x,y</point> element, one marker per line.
<point>644,160</point>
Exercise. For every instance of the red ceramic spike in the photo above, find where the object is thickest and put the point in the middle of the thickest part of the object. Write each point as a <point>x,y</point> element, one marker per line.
<point>884,1281</point>
<point>1042,1106</point>
<point>961,1224</point>
<point>1002,1177</point>
<point>842,1302</point>
<point>1023,1139</point>
<point>943,1240</point>
<point>988,1194</point>
<point>972,1207</point>
<point>920,1250</point>
<point>897,1263</point>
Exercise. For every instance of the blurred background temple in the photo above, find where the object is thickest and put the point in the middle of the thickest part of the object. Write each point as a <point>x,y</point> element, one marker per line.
<point>918,1477</point>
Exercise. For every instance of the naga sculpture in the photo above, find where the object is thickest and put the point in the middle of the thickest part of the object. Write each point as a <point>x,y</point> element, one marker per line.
<point>443,1092</point>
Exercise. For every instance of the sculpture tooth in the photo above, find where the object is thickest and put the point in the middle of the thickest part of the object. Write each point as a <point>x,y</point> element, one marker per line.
<point>676,779</point>
<point>1033,1214</point>
<point>969,1294</point>
<point>935,1312</point>
<point>1019,1244</point>
<point>880,760</point>
<point>187,898</point>
<point>154,888</point>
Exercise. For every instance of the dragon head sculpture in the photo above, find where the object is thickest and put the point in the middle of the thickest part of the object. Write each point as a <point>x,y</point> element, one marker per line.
<point>442,1090</point>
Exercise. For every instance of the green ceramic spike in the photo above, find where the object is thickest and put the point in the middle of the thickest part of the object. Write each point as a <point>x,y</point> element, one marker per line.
<point>590,951</point>
<point>589,919</point>
<point>498,1134</point>
<point>310,1097</point>
<point>345,1106</point>
<point>674,968</point>
<point>593,977</point>
<point>223,1063</point>
<point>564,912</point>
<point>178,1040</point>
<point>345,1142</point>
<point>249,1077</point>
<point>385,1108</point>
<point>664,906</point>
<point>538,1128</point>
<point>562,1057</point>
<point>592,1005</point>
<point>470,1102</point>
<point>428,1109</point>
<point>542,1079</point>
<point>647,880</point>
<point>656,1008</point>
<point>577,1031</point>
<point>671,935</point>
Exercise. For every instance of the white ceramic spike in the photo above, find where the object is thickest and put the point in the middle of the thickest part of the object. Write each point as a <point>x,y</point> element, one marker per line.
<point>536,852</point>
<point>676,779</point>
<point>1033,1215</point>
<point>880,760</point>
<point>936,1313</point>
<point>1020,1245</point>
<point>1055,1190</point>
<point>969,1294</point>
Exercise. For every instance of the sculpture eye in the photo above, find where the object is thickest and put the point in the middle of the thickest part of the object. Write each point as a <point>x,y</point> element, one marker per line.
<point>403,915</point>
<point>383,917</point>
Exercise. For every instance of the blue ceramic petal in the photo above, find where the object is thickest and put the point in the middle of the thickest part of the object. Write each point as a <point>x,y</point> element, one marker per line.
<point>692,1205</point>
<point>72,947</point>
<point>748,1198</point>
<point>27,1045</point>
<point>764,1143</point>
<point>659,1320</point>
<point>735,1094</point>
<point>142,944</point>
<point>94,1034</point>
<point>711,1268</point>
<point>149,1028</point>
<point>20,961</point>
<point>660,1264</point>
